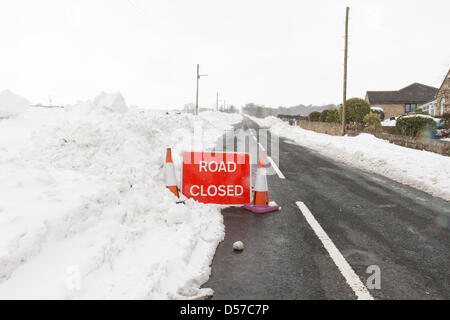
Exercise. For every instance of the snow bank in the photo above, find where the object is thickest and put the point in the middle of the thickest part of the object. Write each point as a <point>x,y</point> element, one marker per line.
<point>423,170</point>
<point>84,212</point>
<point>221,120</point>
<point>12,104</point>
<point>388,123</point>
<point>437,120</point>
<point>107,102</point>
<point>112,102</point>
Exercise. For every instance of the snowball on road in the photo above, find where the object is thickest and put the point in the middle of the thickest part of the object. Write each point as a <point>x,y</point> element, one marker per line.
<point>238,246</point>
<point>423,170</point>
<point>84,212</point>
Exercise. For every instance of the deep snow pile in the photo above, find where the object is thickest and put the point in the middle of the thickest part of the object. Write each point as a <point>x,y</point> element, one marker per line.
<point>220,119</point>
<point>112,102</point>
<point>388,123</point>
<point>423,170</point>
<point>12,104</point>
<point>84,212</point>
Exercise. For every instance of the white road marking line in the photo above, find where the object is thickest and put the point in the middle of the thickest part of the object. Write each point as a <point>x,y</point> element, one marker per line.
<point>277,170</point>
<point>275,167</point>
<point>261,146</point>
<point>346,270</point>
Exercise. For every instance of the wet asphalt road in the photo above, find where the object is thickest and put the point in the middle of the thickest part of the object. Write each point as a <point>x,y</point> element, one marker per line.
<point>372,221</point>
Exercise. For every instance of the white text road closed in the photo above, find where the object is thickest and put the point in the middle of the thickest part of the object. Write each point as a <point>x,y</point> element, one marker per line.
<point>221,191</point>
<point>212,177</point>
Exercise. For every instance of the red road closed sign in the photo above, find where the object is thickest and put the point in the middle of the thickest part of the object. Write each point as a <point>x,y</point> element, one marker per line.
<point>215,177</point>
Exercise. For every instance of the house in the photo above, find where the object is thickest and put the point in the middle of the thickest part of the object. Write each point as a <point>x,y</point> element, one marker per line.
<point>443,97</point>
<point>429,107</point>
<point>405,100</point>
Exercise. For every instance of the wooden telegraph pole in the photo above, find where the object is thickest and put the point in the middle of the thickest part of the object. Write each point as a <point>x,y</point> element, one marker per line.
<point>344,124</point>
<point>196,95</point>
<point>217,101</point>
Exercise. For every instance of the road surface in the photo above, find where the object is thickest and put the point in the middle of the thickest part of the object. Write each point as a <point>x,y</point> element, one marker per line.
<point>371,221</point>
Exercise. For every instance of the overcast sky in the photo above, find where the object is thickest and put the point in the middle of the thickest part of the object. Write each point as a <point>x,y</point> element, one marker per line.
<point>270,52</point>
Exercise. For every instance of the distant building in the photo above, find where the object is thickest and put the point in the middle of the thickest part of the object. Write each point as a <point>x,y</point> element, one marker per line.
<point>443,97</point>
<point>408,99</point>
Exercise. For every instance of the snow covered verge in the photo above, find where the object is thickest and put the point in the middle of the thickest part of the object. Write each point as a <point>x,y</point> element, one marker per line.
<point>83,208</point>
<point>423,170</point>
<point>12,104</point>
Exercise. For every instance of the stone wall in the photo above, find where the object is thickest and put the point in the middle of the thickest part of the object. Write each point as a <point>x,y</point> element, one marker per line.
<point>321,127</point>
<point>433,145</point>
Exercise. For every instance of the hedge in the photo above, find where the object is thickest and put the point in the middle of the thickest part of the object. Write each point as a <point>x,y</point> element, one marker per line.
<point>380,113</point>
<point>314,116</point>
<point>372,122</point>
<point>416,126</point>
<point>333,116</point>
<point>323,115</point>
<point>356,109</point>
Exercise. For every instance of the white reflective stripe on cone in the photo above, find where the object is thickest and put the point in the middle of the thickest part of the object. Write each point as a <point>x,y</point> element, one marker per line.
<point>261,182</point>
<point>169,173</point>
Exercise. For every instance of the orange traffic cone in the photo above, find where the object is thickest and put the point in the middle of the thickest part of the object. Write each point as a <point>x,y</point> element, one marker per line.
<point>169,172</point>
<point>260,202</point>
<point>261,190</point>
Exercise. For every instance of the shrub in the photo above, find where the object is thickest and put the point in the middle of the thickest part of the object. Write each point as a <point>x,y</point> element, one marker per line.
<point>356,109</point>
<point>380,113</point>
<point>416,126</point>
<point>323,115</point>
<point>420,111</point>
<point>333,116</point>
<point>373,122</point>
<point>445,120</point>
<point>314,116</point>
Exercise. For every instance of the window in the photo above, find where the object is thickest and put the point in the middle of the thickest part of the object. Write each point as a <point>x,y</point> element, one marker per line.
<point>410,107</point>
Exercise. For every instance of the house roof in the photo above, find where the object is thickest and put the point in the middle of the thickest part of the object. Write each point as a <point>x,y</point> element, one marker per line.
<point>414,93</point>
<point>447,76</point>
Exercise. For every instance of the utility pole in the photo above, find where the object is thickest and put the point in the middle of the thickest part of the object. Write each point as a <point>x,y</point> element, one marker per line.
<point>217,101</point>
<point>196,96</point>
<point>344,122</point>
